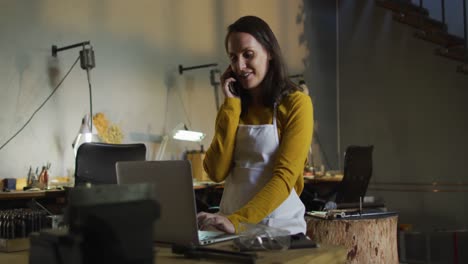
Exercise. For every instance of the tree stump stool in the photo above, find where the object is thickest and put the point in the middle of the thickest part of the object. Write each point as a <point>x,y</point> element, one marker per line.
<point>367,239</point>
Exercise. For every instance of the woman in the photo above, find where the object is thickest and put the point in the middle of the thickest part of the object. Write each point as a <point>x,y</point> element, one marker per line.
<point>262,135</point>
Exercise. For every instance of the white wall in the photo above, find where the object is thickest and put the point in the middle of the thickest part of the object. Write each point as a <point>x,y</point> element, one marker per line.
<point>138,46</point>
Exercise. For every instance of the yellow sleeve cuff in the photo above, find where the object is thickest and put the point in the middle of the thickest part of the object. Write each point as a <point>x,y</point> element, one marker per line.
<point>236,220</point>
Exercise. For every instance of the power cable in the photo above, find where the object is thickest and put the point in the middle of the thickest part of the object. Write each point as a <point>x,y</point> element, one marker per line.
<point>39,108</point>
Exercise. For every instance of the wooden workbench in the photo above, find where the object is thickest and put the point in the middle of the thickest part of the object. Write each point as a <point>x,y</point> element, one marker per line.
<point>323,255</point>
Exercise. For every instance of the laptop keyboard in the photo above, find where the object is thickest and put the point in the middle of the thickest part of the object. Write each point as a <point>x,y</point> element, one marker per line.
<point>204,235</point>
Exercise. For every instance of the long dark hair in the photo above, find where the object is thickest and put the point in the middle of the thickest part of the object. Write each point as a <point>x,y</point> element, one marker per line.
<point>276,83</point>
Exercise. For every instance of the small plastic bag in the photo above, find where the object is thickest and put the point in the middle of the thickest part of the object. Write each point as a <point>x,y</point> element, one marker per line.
<point>261,237</point>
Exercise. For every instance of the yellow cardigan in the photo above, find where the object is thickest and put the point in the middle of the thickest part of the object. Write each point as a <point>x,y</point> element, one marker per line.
<point>295,128</point>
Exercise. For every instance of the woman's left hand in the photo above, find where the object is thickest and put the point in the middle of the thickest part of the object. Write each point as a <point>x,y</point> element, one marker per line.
<point>228,79</point>
<point>220,222</point>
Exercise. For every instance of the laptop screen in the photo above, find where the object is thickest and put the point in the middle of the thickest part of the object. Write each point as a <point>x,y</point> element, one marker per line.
<point>173,190</point>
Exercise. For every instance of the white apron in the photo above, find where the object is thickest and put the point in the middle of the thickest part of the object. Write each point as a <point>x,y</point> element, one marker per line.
<point>254,157</point>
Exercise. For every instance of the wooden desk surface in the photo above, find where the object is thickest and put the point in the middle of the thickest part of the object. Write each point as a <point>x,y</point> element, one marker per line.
<point>30,194</point>
<point>325,254</point>
<point>197,185</point>
<point>307,179</point>
<point>322,179</point>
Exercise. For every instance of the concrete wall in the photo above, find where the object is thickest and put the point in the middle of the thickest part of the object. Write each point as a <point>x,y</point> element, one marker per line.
<point>411,105</point>
<point>320,36</point>
<point>138,46</point>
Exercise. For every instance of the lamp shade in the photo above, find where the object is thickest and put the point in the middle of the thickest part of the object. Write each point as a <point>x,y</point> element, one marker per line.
<point>84,134</point>
<point>187,135</point>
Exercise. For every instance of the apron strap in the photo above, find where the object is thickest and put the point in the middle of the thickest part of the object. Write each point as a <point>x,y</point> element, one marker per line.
<point>274,122</point>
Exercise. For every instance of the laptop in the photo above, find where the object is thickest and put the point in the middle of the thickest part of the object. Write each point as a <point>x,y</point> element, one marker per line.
<point>173,184</point>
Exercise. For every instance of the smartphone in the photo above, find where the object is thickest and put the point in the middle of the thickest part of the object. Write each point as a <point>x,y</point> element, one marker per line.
<point>234,87</point>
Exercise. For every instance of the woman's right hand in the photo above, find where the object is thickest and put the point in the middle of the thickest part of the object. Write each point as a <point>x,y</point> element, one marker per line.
<point>217,221</point>
<point>227,79</point>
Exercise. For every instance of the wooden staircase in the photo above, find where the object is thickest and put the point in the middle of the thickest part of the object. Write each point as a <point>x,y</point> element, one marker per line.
<point>429,29</point>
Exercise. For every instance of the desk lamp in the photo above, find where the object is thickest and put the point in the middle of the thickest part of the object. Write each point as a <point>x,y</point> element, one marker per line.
<point>85,134</point>
<point>180,132</point>
<point>87,62</point>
